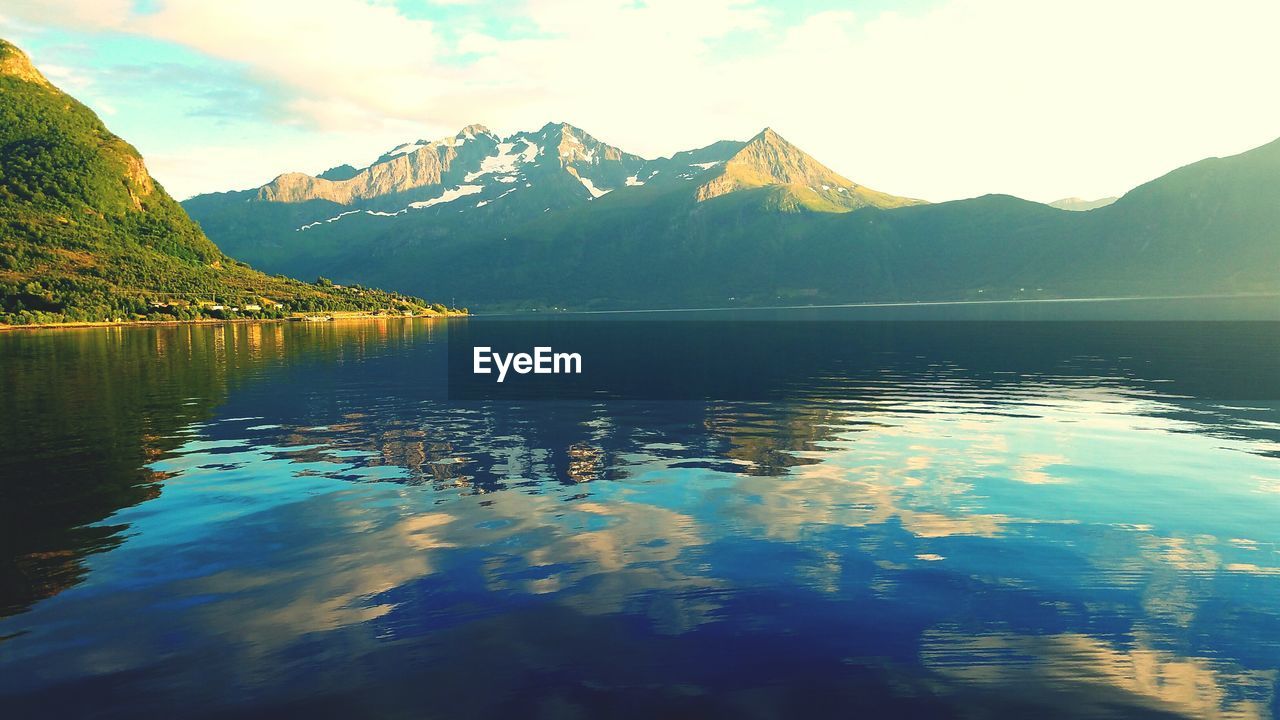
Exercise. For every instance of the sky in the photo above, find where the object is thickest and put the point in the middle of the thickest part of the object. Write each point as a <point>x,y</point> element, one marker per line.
<point>935,99</point>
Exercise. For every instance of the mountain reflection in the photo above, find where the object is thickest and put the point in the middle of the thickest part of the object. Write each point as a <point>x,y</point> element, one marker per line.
<point>940,532</point>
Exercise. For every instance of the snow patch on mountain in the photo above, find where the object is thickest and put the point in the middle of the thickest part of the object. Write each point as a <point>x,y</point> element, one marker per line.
<point>503,163</point>
<point>339,216</point>
<point>634,181</point>
<point>449,196</point>
<point>591,187</point>
<point>482,203</point>
<point>406,148</point>
<point>706,165</point>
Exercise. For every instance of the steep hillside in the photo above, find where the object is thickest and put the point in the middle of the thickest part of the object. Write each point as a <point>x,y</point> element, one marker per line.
<point>1212,225</point>
<point>86,234</point>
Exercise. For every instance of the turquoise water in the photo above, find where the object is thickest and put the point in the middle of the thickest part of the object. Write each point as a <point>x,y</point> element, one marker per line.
<point>281,519</point>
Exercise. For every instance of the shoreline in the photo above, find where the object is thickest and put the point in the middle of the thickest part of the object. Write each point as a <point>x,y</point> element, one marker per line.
<point>336,316</point>
<point>889,304</point>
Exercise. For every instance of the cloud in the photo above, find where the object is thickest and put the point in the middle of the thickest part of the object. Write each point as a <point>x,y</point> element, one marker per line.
<point>72,14</point>
<point>363,60</point>
<point>964,97</point>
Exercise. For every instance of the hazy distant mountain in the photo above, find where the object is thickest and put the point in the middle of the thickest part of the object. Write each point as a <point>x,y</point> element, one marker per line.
<point>87,234</point>
<point>556,218</point>
<point>1080,204</point>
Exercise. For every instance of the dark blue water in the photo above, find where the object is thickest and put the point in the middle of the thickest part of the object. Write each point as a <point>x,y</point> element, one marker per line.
<point>278,520</point>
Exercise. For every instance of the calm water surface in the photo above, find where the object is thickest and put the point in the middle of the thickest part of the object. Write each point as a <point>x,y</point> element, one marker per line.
<point>283,519</point>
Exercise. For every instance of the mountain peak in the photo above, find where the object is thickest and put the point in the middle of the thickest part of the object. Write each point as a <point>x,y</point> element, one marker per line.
<point>15,63</point>
<point>462,137</point>
<point>768,159</point>
<point>770,138</point>
<point>576,147</point>
<point>557,131</point>
<point>339,173</point>
<point>471,131</point>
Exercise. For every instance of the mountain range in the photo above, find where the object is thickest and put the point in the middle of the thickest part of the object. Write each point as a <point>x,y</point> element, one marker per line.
<point>556,218</point>
<point>86,234</point>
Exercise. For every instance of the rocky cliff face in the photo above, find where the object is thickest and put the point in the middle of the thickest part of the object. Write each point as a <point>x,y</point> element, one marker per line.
<point>433,168</point>
<point>15,63</point>
<point>407,167</point>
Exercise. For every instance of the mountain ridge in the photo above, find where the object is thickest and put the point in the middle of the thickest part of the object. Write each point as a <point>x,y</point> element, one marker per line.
<point>1209,228</point>
<point>435,167</point>
<point>554,217</point>
<point>474,183</point>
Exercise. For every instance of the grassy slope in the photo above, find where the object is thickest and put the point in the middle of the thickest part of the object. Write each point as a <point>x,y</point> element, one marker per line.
<point>86,234</point>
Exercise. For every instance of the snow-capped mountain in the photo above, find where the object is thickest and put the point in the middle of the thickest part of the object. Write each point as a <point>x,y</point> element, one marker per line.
<point>426,197</point>
<point>493,180</point>
<point>556,166</point>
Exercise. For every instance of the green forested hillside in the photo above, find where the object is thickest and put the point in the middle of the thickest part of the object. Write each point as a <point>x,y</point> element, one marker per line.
<point>86,234</point>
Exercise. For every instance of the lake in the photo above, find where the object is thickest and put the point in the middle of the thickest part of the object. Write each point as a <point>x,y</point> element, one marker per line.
<point>294,519</point>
